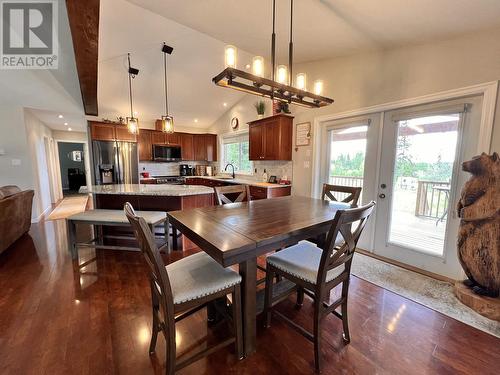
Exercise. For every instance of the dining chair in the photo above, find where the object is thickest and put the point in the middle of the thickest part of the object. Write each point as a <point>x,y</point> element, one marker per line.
<point>227,194</point>
<point>352,198</point>
<point>316,271</point>
<point>183,288</point>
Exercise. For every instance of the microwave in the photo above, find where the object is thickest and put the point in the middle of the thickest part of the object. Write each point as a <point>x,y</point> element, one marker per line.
<point>166,153</point>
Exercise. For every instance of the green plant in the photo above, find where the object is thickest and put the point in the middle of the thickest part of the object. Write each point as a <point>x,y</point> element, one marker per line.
<point>260,106</point>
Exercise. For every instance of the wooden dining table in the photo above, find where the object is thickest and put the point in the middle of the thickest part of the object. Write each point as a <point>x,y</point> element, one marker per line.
<point>237,233</point>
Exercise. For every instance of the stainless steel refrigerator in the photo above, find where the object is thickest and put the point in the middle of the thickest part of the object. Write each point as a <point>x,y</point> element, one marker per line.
<point>115,162</point>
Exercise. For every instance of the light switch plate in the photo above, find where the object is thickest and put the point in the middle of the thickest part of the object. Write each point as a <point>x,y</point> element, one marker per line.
<point>16,162</point>
<point>307,164</point>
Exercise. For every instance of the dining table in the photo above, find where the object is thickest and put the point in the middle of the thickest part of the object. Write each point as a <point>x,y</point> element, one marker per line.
<point>238,233</point>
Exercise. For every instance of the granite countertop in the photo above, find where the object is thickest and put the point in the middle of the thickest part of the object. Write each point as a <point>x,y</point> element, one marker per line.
<point>153,190</point>
<point>241,181</point>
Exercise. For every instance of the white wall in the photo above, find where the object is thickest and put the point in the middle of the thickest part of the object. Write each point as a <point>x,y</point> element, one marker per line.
<point>36,132</point>
<point>14,143</point>
<point>381,77</point>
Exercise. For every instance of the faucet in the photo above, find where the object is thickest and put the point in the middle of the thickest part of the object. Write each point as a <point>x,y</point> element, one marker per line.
<point>227,165</point>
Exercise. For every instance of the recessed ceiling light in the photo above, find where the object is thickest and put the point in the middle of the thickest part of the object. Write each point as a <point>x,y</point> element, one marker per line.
<point>69,129</point>
<point>247,66</point>
<point>66,123</point>
<point>195,120</point>
<point>60,116</point>
<point>224,104</point>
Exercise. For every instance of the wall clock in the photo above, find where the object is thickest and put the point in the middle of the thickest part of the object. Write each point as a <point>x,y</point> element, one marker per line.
<point>234,123</point>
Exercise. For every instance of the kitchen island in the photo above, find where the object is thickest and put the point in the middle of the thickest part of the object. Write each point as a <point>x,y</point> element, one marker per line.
<point>152,198</point>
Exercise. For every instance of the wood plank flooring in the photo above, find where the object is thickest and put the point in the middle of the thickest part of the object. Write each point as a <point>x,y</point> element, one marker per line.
<point>56,319</point>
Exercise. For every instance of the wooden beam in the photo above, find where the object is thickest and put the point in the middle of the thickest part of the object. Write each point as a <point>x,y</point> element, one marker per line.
<point>84,23</point>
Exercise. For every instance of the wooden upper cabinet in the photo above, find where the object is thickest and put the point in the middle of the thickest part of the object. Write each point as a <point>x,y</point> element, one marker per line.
<point>122,134</point>
<point>102,131</point>
<point>173,139</point>
<point>205,147</point>
<point>255,139</point>
<point>158,138</point>
<point>187,146</point>
<point>145,145</point>
<point>211,146</point>
<point>200,147</point>
<point>271,138</point>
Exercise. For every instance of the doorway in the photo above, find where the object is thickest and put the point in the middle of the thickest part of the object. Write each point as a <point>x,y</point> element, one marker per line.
<point>407,159</point>
<point>422,149</point>
<point>72,167</point>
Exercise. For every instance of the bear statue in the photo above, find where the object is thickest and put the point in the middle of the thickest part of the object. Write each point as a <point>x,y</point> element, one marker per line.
<point>479,233</point>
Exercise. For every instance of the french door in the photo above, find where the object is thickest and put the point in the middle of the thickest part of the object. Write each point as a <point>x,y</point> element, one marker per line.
<point>409,162</point>
<point>419,182</point>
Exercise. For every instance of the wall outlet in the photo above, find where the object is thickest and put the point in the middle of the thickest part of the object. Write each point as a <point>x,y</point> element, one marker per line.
<point>307,164</point>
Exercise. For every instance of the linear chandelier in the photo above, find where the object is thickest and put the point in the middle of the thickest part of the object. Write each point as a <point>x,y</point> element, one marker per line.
<point>279,87</point>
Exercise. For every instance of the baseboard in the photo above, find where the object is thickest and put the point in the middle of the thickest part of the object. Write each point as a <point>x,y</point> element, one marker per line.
<point>42,215</point>
<point>407,266</point>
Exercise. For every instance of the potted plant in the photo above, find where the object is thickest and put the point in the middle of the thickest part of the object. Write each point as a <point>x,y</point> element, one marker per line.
<point>260,106</point>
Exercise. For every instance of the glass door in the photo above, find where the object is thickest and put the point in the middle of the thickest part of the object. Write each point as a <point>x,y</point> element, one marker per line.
<point>351,154</point>
<point>418,183</point>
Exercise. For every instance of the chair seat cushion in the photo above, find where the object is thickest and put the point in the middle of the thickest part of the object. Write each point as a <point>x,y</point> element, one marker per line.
<point>302,261</point>
<point>197,276</point>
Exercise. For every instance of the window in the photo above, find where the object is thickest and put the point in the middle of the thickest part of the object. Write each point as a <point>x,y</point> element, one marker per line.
<point>235,151</point>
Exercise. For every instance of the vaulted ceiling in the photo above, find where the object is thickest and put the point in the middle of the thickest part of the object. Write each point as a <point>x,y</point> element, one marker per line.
<point>199,30</point>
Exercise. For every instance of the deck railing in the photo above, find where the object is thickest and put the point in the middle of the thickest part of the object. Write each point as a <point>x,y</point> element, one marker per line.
<point>432,199</point>
<point>346,181</point>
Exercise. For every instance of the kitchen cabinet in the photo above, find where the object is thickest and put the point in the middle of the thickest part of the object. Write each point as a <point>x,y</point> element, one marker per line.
<point>270,138</point>
<point>158,138</point>
<point>122,134</point>
<point>187,146</point>
<point>102,132</point>
<point>168,138</point>
<point>205,147</point>
<point>145,145</point>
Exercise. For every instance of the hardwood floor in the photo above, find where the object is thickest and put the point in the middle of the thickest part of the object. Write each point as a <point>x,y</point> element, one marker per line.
<point>55,319</point>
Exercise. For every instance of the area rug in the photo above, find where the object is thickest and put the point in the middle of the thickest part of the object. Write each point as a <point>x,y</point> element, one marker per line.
<point>432,293</point>
<point>69,206</point>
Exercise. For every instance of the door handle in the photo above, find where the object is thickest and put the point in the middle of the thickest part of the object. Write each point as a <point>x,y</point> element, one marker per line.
<point>381,196</point>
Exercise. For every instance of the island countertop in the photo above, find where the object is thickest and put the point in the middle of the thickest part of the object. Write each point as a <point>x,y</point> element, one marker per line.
<point>148,190</point>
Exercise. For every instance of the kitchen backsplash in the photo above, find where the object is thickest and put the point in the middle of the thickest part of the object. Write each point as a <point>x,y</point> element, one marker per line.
<point>276,168</point>
<point>167,169</point>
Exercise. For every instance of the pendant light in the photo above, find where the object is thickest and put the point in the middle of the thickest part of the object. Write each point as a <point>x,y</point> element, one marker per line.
<point>167,121</point>
<point>280,86</point>
<point>132,121</point>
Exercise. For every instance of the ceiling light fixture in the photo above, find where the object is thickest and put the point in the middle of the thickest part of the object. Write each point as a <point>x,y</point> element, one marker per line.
<point>224,104</point>
<point>66,123</point>
<point>279,87</point>
<point>69,129</point>
<point>167,121</point>
<point>132,121</point>
<point>195,120</point>
<point>60,116</point>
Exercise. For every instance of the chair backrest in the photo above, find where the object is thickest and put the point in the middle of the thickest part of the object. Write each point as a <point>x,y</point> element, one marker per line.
<point>349,224</point>
<point>352,198</point>
<point>160,283</point>
<point>228,194</point>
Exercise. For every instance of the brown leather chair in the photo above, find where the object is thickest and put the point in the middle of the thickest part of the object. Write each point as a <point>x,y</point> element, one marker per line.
<point>15,214</point>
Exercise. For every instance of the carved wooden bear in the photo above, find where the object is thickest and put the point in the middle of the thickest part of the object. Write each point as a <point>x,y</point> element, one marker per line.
<point>479,234</point>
